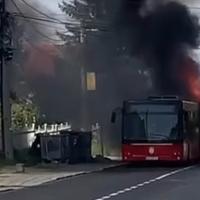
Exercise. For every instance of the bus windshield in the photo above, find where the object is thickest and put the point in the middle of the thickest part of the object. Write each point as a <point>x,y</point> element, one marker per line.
<point>151,123</point>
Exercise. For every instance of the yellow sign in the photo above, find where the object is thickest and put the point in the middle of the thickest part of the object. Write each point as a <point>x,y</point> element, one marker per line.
<point>91,81</point>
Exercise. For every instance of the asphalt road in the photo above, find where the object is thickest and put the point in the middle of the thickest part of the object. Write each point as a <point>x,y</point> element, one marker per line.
<point>125,183</point>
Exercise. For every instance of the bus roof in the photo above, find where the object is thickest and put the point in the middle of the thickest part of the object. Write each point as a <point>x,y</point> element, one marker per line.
<point>162,100</point>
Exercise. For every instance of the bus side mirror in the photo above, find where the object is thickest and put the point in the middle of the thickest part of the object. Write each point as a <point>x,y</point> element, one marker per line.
<point>113,117</point>
<point>186,116</point>
<point>116,112</point>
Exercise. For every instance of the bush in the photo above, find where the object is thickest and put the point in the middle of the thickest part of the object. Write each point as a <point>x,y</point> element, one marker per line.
<point>23,114</point>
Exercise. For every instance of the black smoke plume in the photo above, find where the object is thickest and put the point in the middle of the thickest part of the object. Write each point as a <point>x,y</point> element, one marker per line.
<point>162,36</point>
<point>166,37</point>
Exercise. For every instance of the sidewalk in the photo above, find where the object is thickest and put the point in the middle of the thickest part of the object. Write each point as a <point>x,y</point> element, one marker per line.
<point>44,173</point>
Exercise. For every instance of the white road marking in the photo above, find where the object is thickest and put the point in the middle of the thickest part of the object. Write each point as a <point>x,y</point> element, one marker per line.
<point>114,194</point>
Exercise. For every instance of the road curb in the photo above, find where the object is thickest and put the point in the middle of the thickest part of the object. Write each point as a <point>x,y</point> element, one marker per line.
<point>85,173</point>
<point>9,188</point>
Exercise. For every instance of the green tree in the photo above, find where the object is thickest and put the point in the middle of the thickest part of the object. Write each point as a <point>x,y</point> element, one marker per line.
<point>113,22</point>
<point>88,17</point>
<point>24,114</point>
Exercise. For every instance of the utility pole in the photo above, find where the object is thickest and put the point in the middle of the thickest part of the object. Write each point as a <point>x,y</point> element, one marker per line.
<point>83,88</point>
<point>5,100</point>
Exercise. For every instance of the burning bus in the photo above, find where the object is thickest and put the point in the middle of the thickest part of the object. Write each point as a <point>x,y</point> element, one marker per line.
<point>160,128</point>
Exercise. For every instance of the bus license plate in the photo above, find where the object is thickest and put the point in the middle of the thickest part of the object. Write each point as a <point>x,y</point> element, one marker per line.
<point>151,158</point>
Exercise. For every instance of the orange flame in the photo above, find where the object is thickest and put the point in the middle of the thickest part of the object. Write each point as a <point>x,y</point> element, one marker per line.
<point>191,77</point>
<point>194,86</point>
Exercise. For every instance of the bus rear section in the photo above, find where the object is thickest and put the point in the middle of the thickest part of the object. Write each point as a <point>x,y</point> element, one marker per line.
<point>160,130</point>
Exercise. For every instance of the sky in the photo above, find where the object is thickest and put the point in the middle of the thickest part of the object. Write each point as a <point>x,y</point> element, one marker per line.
<point>51,5</point>
<point>51,8</point>
<point>195,8</point>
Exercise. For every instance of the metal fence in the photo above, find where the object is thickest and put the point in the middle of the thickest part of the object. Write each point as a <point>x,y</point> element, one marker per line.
<point>24,139</point>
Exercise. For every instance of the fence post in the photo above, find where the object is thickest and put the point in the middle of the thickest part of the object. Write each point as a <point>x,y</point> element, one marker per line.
<point>45,127</point>
<point>99,132</point>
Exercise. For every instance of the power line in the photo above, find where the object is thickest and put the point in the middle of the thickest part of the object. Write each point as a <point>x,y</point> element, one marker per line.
<point>40,12</point>
<point>101,26</point>
<point>55,20</point>
<point>68,25</point>
<point>47,37</point>
<point>41,19</point>
<point>48,25</point>
<point>35,18</point>
<point>36,30</point>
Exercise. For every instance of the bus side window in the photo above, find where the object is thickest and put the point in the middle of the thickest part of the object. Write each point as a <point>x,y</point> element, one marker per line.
<point>196,122</point>
<point>193,128</point>
<point>185,122</point>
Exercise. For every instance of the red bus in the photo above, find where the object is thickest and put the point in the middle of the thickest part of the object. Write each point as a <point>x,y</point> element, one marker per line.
<point>160,128</point>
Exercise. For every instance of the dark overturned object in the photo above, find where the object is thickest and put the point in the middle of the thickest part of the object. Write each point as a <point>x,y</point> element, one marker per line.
<point>35,150</point>
<point>80,144</point>
<point>69,146</point>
